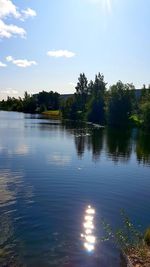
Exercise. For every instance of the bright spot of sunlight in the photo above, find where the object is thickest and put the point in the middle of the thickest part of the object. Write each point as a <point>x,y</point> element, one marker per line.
<point>88,236</point>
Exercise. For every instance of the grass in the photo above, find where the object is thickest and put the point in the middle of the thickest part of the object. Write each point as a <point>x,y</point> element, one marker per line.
<point>52,113</point>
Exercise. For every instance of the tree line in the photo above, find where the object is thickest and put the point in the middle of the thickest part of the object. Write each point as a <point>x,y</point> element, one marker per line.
<point>117,106</point>
<point>93,101</point>
<point>36,103</point>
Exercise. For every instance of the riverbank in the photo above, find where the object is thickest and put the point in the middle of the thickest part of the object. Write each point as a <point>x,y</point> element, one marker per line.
<point>139,257</point>
<point>52,113</point>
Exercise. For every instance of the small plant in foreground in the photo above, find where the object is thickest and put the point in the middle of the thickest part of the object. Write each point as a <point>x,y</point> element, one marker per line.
<point>147,237</point>
<point>127,237</point>
<point>133,244</point>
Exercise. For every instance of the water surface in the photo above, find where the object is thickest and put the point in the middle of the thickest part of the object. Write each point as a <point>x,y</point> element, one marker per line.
<point>50,172</point>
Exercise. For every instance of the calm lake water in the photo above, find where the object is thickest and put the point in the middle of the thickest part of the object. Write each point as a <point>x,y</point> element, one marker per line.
<point>50,172</point>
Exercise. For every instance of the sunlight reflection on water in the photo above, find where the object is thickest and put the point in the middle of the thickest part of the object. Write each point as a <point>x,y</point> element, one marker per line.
<point>88,235</point>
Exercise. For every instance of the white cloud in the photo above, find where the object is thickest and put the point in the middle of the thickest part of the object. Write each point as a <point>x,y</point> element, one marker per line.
<point>2,65</point>
<point>9,91</point>
<point>28,13</point>
<point>60,53</point>
<point>7,8</point>
<point>22,63</point>
<point>7,31</point>
<point>9,58</point>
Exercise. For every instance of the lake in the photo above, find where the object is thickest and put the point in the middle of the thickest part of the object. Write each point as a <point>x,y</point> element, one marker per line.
<point>50,172</point>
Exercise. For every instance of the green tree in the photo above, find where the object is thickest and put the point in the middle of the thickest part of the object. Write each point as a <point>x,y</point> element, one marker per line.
<point>48,100</point>
<point>120,103</point>
<point>90,88</point>
<point>96,104</point>
<point>70,110</point>
<point>145,95</point>
<point>99,86</point>
<point>145,111</point>
<point>96,110</point>
<point>29,105</point>
<point>82,92</point>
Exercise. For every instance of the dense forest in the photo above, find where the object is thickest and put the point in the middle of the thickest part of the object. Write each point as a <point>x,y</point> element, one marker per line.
<point>117,105</point>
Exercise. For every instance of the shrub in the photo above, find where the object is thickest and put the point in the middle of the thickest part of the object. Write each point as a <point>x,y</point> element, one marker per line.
<point>147,237</point>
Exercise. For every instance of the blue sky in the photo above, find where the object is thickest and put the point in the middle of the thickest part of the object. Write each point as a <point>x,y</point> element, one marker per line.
<point>107,36</point>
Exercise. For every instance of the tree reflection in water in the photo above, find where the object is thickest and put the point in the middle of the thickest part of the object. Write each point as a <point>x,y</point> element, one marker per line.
<point>118,144</point>
<point>92,140</point>
<point>143,147</point>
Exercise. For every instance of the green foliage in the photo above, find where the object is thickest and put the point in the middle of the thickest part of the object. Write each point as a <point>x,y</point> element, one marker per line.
<point>32,103</point>
<point>120,104</point>
<point>42,108</point>
<point>147,237</point>
<point>135,120</point>
<point>96,100</point>
<point>29,103</point>
<point>82,92</point>
<point>82,85</point>
<point>99,86</point>
<point>69,109</point>
<point>49,100</point>
<point>145,94</point>
<point>88,102</point>
<point>96,110</point>
<point>145,113</point>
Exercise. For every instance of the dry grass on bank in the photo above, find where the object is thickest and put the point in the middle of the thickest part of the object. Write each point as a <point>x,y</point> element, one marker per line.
<point>52,113</point>
<point>140,257</point>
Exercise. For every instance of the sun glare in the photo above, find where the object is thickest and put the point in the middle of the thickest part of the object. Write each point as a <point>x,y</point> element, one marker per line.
<point>105,4</point>
<point>88,235</point>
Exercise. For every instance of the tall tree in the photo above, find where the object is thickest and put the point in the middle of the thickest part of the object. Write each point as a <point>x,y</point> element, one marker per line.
<point>120,103</point>
<point>96,105</point>
<point>99,86</point>
<point>82,91</point>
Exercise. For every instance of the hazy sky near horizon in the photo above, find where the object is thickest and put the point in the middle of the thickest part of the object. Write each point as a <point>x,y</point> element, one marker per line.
<point>45,44</point>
